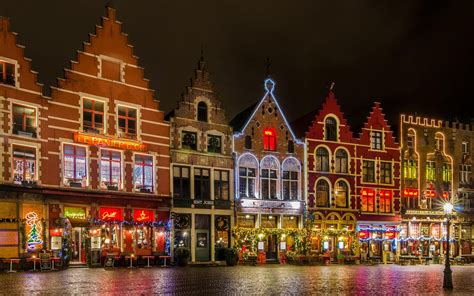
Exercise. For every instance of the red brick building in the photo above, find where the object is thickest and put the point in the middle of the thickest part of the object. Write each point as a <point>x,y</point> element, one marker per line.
<point>105,145</point>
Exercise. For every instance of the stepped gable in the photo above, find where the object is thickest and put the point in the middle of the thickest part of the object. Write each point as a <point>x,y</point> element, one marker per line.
<point>330,106</point>
<point>9,49</point>
<point>376,121</point>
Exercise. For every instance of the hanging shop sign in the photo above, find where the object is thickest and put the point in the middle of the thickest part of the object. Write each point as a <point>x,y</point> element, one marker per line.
<point>108,142</point>
<point>74,213</point>
<point>111,214</point>
<point>140,215</point>
<point>364,234</point>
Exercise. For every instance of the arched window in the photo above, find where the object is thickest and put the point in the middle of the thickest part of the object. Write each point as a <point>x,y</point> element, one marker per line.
<point>291,172</point>
<point>439,142</point>
<point>330,127</point>
<point>248,142</point>
<point>411,139</point>
<point>342,194</point>
<point>322,194</point>
<point>322,159</point>
<point>202,112</point>
<point>269,177</point>
<point>269,139</point>
<point>248,167</point>
<point>342,161</point>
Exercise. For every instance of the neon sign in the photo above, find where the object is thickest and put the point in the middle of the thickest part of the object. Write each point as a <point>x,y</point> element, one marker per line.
<point>409,192</point>
<point>33,222</point>
<point>111,214</point>
<point>143,215</point>
<point>107,142</point>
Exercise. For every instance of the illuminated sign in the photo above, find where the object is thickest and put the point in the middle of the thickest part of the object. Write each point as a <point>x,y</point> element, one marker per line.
<point>385,193</point>
<point>34,231</point>
<point>410,192</point>
<point>143,215</point>
<point>430,193</point>
<point>74,213</point>
<point>271,204</point>
<point>107,142</point>
<point>111,214</point>
<point>364,234</point>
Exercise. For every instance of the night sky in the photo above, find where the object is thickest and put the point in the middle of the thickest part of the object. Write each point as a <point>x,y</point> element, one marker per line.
<point>415,56</point>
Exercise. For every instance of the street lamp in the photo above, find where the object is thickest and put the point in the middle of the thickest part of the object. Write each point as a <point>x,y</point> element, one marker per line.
<point>448,279</point>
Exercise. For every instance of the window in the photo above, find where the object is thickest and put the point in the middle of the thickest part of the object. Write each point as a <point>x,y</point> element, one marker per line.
<point>246,221</point>
<point>24,164</point>
<point>330,128</point>
<point>439,141</point>
<point>189,140</point>
<point>368,171</point>
<point>291,146</point>
<point>202,112</point>
<point>342,194</point>
<point>342,161</point>
<point>127,121</point>
<point>247,182</point>
<point>221,185</point>
<point>385,201</point>
<point>430,171</point>
<point>410,169</point>
<point>465,174</point>
<point>110,169</point>
<point>411,139</point>
<point>75,166</point>
<point>290,185</point>
<point>93,115</point>
<point>202,184</point>
<point>465,148</point>
<point>214,144</point>
<point>143,173</point>
<point>322,194</point>
<point>376,140</point>
<point>181,182</point>
<point>385,172</point>
<point>269,139</point>
<point>290,222</point>
<point>368,200</point>
<point>269,221</point>
<point>322,159</point>
<point>248,142</point>
<point>24,120</point>
<point>269,183</point>
<point>447,173</point>
<point>7,73</point>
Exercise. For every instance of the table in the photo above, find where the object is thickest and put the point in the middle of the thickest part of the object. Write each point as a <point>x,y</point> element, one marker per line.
<point>148,260</point>
<point>54,259</point>
<point>16,260</point>
<point>34,262</point>
<point>164,258</point>
<point>131,260</point>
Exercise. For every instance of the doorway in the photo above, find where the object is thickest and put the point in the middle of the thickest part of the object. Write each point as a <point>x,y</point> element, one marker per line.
<point>271,248</point>
<point>78,245</point>
<point>202,238</point>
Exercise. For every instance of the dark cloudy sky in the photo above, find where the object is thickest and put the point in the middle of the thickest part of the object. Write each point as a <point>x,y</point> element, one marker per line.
<point>413,56</point>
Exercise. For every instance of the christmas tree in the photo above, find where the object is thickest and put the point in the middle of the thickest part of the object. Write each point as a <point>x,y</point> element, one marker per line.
<point>33,237</point>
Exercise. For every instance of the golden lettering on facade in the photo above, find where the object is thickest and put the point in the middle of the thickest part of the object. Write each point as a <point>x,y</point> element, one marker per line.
<point>107,142</point>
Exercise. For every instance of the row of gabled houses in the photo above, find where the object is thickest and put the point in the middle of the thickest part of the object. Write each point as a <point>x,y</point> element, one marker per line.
<point>97,168</point>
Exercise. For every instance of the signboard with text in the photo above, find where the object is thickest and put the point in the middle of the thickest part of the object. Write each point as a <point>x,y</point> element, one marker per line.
<point>111,214</point>
<point>140,215</point>
<point>108,142</point>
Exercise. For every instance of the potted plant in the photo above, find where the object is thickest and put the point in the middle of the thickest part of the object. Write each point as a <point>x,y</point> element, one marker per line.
<point>231,256</point>
<point>182,256</point>
<point>340,259</point>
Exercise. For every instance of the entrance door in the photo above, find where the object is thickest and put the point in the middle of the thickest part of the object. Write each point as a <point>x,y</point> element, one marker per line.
<point>77,246</point>
<point>203,245</point>
<point>272,248</point>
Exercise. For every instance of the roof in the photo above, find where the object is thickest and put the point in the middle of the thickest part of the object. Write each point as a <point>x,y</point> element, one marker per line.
<point>241,118</point>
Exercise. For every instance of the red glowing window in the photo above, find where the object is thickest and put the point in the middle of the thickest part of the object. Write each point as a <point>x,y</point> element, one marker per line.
<point>269,139</point>
<point>385,201</point>
<point>368,200</point>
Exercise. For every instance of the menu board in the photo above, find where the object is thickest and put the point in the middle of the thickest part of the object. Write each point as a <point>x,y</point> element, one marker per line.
<point>56,242</point>
<point>95,242</point>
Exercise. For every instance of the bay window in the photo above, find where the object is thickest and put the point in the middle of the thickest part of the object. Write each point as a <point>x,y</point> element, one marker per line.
<point>143,173</point>
<point>110,169</point>
<point>75,166</point>
<point>127,122</point>
<point>24,164</point>
<point>24,120</point>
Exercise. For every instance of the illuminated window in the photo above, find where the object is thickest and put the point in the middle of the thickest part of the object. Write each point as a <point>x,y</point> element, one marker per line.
<point>447,172</point>
<point>221,185</point>
<point>368,200</point>
<point>439,141</point>
<point>248,142</point>
<point>189,140</point>
<point>322,194</point>
<point>376,140</point>
<point>202,112</point>
<point>368,171</point>
<point>181,182</point>
<point>410,169</point>
<point>202,183</point>
<point>214,144</point>
<point>143,173</point>
<point>24,120</point>
<point>127,121</point>
<point>385,201</point>
<point>342,161</point>
<point>342,194</point>
<point>322,159</point>
<point>430,171</point>
<point>75,166</point>
<point>110,169</point>
<point>246,221</point>
<point>24,164</point>
<point>290,222</point>
<point>7,73</point>
<point>269,139</point>
<point>290,185</point>
<point>465,174</point>
<point>247,182</point>
<point>411,139</point>
<point>269,180</point>
<point>385,172</point>
<point>330,128</point>
<point>465,147</point>
<point>93,115</point>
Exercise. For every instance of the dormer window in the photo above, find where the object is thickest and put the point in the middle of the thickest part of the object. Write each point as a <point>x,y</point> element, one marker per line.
<point>269,139</point>
<point>24,120</point>
<point>376,140</point>
<point>330,127</point>
<point>7,73</point>
<point>202,112</point>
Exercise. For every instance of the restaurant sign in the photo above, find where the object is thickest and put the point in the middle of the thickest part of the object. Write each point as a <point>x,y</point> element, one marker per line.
<point>108,142</point>
<point>140,215</point>
<point>111,214</point>
<point>74,213</point>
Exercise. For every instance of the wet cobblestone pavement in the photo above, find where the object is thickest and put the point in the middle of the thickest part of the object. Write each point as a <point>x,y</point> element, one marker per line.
<point>242,280</point>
